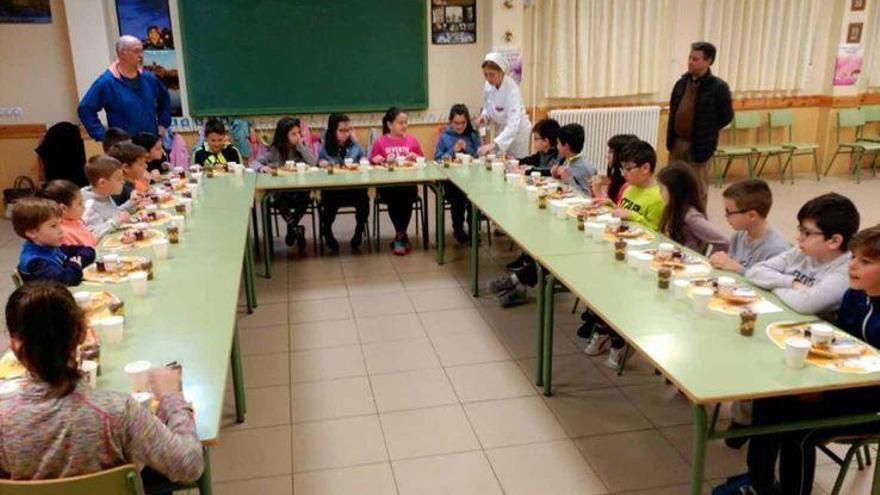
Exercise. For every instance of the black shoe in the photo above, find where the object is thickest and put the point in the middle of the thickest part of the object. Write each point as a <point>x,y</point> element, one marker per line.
<point>462,237</point>
<point>332,244</point>
<point>357,239</point>
<point>517,263</point>
<point>585,330</point>
<point>735,443</point>
<point>290,237</point>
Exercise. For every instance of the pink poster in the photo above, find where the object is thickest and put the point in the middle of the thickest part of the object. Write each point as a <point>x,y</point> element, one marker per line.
<point>848,65</point>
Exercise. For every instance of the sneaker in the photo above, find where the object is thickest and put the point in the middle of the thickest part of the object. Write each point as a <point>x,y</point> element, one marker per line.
<point>514,297</point>
<point>502,284</point>
<point>598,344</point>
<point>742,485</point>
<point>614,357</point>
<point>401,246</point>
<point>462,237</point>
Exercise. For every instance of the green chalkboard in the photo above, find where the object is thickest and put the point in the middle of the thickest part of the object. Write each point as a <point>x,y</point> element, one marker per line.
<point>252,57</point>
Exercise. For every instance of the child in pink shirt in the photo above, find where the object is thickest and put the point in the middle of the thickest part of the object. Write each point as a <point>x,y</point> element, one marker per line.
<point>69,198</point>
<point>393,144</point>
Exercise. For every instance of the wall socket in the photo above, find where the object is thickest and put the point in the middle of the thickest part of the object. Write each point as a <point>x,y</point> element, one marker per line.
<point>11,112</point>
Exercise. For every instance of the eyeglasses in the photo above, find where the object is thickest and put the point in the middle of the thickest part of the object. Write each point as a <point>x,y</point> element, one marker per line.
<point>730,213</point>
<point>805,232</point>
<point>630,168</point>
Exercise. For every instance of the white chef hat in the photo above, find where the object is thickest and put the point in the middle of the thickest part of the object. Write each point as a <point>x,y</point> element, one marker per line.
<point>499,60</point>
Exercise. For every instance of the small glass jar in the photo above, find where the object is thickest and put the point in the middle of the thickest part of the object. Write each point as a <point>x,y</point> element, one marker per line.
<point>542,200</point>
<point>747,321</point>
<point>620,250</point>
<point>664,276</point>
<point>173,234</point>
<point>580,222</point>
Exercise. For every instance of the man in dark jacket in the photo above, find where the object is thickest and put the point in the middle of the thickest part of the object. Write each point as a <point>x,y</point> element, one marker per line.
<point>699,108</point>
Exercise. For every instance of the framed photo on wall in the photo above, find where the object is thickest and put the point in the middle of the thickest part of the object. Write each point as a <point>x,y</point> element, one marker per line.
<point>854,33</point>
<point>857,5</point>
<point>25,12</point>
<point>453,22</point>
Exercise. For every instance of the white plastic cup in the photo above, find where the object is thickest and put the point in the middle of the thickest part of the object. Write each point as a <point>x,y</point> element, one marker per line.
<point>796,350</point>
<point>491,158</point>
<point>401,161</point>
<point>821,334</point>
<point>179,222</point>
<point>665,250</point>
<point>290,163</point>
<point>112,329</point>
<point>680,287</point>
<point>632,258</point>
<point>139,374</point>
<point>701,296</point>
<point>301,168</point>
<point>531,194</point>
<point>151,208</point>
<point>238,169</point>
<point>535,175</point>
<point>596,231</point>
<point>726,285</point>
<point>89,371</point>
<point>348,162</point>
<point>513,163</point>
<point>644,260</point>
<point>143,398</point>
<point>420,161</point>
<point>188,204</point>
<point>512,178</point>
<point>498,168</point>
<point>111,262</point>
<point>160,248</point>
<point>363,162</point>
<point>138,283</point>
<point>466,159</point>
<point>562,212</point>
<point>193,190</point>
<point>82,297</point>
<point>614,222</point>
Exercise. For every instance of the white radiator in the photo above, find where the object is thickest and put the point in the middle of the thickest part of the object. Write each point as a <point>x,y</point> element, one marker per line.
<point>602,123</point>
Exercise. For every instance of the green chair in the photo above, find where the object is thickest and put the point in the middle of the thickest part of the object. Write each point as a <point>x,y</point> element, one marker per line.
<point>734,151</point>
<point>17,281</point>
<point>857,445</point>
<point>854,119</point>
<point>122,480</point>
<point>783,118</point>
<point>872,116</point>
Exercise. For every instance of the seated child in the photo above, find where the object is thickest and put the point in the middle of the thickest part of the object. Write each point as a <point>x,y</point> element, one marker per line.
<point>458,137</point>
<point>287,145</point>
<point>340,144</point>
<point>796,451</point>
<point>746,206</point>
<point>684,218</point>
<point>112,136</point>
<point>57,426</point>
<point>157,159</point>
<point>395,143</point>
<point>216,150</point>
<point>69,198</point>
<point>612,185</point>
<point>134,169</point>
<point>100,213</point>
<point>642,203</point>
<point>43,257</point>
<point>575,170</point>
<point>544,141</point>
<point>811,278</point>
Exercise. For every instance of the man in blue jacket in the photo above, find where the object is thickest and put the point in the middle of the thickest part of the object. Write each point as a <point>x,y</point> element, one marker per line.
<point>134,99</point>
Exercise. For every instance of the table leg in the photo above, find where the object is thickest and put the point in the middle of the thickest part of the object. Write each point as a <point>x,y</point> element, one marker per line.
<point>700,438</point>
<point>238,379</point>
<point>255,223</point>
<point>440,225</point>
<point>539,349</point>
<point>426,240</point>
<point>250,293</point>
<point>475,250</point>
<point>205,486</point>
<point>875,484</point>
<point>267,235</point>
<point>548,334</point>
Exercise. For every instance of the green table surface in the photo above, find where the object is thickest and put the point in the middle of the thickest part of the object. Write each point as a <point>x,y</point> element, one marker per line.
<point>189,314</point>
<point>704,355</point>
<point>350,180</point>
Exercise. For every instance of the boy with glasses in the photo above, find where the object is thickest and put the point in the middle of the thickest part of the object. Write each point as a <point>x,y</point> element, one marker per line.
<point>746,206</point>
<point>812,277</point>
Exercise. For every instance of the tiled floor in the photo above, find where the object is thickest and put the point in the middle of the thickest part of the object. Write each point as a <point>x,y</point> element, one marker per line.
<point>382,375</point>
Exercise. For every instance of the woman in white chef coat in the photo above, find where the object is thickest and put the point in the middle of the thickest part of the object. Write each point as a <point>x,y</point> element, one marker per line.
<point>503,109</point>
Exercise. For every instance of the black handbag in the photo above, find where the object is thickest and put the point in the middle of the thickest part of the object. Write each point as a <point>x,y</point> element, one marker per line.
<point>23,187</point>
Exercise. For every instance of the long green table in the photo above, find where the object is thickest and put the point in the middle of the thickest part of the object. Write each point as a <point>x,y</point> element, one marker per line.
<point>428,176</point>
<point>703,355</point>
<point>189,314</point>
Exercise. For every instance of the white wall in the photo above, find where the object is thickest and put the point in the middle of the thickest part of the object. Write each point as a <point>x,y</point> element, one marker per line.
<point>37,72</point>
